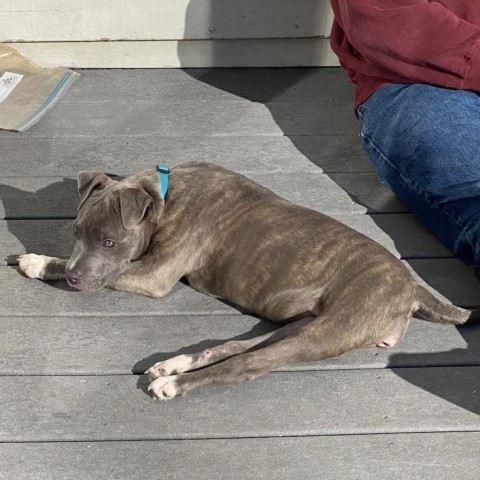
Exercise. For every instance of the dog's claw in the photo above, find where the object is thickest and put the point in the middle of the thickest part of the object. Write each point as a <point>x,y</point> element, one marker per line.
<point>172,366</point>
<point>163,388</point>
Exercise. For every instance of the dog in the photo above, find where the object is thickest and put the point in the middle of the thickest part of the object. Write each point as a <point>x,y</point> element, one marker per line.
<point>330,288</point>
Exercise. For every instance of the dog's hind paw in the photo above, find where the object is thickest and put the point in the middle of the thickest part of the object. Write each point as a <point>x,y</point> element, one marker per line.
<point>32,265</point>
<point>164,388</point>
<point>178,364</point>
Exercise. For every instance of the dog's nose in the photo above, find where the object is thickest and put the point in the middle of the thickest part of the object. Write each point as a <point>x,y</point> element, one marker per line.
<point>73,277</point>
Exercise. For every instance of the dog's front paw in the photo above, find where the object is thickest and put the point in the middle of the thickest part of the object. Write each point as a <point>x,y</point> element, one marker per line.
<point>32,265</point>
<point>178,364</point>
<point>164,388</point>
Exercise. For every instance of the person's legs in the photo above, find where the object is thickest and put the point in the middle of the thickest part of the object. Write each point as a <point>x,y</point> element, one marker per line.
<point>425,144</point>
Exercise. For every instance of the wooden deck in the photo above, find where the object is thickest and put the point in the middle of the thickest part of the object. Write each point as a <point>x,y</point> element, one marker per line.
<point>72,393</point>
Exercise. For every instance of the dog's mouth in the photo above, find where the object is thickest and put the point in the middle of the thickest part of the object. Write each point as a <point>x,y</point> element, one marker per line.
<point>92,282</point>
<point>86,286</point>
<point>86,279</point>
<point>86,283</point>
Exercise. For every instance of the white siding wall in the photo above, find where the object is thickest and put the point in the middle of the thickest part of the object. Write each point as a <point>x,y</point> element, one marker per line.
<point>169,33</point>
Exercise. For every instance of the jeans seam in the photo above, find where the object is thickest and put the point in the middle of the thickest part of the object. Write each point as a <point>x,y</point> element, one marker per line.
<point>422,193</point>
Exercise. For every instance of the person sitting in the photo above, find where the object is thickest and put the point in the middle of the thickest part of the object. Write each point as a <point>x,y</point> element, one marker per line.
<point>416,68</point>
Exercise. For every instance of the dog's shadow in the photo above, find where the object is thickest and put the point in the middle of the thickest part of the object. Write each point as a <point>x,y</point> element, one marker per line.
<point>55,200</point>
<point>41,220</point>
<point>460,386</point>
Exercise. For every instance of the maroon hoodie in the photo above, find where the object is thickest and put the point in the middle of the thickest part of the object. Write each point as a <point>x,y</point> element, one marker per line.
<point>407,41</point>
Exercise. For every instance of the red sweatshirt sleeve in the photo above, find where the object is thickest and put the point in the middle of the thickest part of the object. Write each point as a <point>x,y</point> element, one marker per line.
<point>419,40</point>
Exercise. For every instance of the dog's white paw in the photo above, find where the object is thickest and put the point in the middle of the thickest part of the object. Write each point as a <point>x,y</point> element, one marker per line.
<point>32,265</point>
<point>178,364</point>
<point>164,388</point>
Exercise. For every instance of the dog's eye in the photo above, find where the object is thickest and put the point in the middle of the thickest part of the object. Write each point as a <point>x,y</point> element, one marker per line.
<point>108,243</point>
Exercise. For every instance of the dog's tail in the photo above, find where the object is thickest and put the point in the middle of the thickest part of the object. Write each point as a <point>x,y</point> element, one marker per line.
<point>432,309</point>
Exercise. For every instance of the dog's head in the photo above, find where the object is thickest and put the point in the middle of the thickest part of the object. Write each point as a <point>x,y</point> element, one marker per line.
<point>114,226</point>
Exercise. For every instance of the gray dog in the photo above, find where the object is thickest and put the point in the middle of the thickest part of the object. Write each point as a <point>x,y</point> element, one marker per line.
<point>331,288</point>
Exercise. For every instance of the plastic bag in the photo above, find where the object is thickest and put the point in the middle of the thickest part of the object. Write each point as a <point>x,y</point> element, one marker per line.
<point>27,91</point>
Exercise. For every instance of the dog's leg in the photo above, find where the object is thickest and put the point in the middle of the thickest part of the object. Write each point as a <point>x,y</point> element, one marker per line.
<point>238,369</point>
<point>193,361</point>
<point>315,341</point>
<point>188,362</point>
<point>42,267</point>
<point>148,277</point>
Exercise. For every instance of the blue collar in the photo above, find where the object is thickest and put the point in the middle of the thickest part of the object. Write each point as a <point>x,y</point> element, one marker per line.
<point>163,173</point>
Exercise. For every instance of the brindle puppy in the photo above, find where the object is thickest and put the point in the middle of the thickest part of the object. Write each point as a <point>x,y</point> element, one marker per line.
<point>330,287</point>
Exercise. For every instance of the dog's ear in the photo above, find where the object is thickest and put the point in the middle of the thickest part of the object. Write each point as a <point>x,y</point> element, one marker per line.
<point>88,182</point>
<point>134,204</point>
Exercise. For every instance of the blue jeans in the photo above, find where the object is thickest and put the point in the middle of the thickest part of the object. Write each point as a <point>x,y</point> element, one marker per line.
<point>425,144</point>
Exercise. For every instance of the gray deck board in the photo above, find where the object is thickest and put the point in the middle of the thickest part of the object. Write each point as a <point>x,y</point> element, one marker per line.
<point>196,118</point>
<point>73,405</point>
<point>369,457</point>
<point>256,85</point>
<point>254,155</point>
<point>122,345</point>
<point>124,156</point>
<point>101,408</point>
